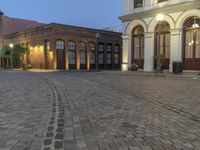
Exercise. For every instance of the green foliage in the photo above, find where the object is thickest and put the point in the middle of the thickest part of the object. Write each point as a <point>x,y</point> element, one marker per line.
<point>162,58</point>
<point>20,49</point>
<point>17,49</point>
<point>5,51</point>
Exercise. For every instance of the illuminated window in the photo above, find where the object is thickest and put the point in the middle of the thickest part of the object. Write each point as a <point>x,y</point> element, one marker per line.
<point>138,43</point>
<point>164,39</point>
<point>192,38</point>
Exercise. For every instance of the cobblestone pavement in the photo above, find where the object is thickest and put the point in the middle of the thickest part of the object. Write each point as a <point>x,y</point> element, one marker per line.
<point>24,111</point>
<point>95,111</point>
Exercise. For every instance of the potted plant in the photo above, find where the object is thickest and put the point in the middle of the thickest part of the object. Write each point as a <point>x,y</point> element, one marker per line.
<point>133,67</point>
<point>162,61</point>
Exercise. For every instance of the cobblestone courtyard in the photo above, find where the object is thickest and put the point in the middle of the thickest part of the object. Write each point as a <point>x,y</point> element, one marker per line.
<point>98,111</point>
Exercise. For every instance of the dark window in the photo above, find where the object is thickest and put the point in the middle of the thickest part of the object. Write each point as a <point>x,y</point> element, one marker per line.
<point>92,53</point>
<point>117,54</point>
<point>109,54</point>
<point>47,46</point>
<point>72,52</point>
<point>82,53</point>
<point>138,3</point>
<point>101,54</point>
<point>60,52</point>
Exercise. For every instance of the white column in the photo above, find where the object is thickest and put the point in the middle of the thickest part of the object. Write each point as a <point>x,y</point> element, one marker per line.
<point>148,51</point>
<point>125,53</point>
<point>175,48</point>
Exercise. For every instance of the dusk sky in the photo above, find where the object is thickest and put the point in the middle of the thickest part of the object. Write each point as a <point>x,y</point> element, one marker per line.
<point>86,13</point>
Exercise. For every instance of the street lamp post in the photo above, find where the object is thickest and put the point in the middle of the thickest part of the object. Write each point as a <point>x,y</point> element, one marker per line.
<point>11,55</point>
<point>97,35</point>
<point>159,18</point>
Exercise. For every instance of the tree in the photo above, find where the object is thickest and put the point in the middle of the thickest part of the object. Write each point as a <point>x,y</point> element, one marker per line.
<point>16,52</point>
<point>19,50</point>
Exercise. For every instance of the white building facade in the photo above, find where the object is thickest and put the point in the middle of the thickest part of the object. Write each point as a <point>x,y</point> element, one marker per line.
<point>179,33</point>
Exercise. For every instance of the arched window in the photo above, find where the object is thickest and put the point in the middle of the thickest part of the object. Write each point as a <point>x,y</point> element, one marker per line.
<point>72,54</point>
<point>109,55</point>
<point>82,53</point>
<point>138,46</point>
<point>164,39</point>
<point>117,55</point>
<point>60,45</point>
<point>92,54</point>
<point>60,52</point>
<point>192,38</point>
<point>164,44</point>
<point>191,53</point>
<point>101,55</point>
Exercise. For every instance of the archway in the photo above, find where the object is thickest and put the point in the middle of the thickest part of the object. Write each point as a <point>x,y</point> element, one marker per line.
<point>138,46</point>
<point>164,44</point>
<point>191,44</point>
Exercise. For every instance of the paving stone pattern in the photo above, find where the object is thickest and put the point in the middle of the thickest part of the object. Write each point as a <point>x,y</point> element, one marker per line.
<point>95,111</point>
<point>54,135</point>
<point>24,111</point>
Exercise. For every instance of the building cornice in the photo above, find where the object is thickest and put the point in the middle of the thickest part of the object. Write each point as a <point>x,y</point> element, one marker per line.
<point>165,10</point>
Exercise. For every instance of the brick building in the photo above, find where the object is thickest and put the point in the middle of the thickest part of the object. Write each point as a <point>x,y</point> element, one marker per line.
<point>57,46</point>
<point>10,25</point>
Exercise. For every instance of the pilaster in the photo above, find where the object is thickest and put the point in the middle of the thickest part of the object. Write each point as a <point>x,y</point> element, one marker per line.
<point>175,48</point>
<point>148,51</point>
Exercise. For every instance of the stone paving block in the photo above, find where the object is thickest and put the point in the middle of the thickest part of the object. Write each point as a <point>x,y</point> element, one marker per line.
<point>110,112</point>
<point>134,148</point>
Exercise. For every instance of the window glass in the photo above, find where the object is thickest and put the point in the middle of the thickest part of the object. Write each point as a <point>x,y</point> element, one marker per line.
<point>60,45</point>
<point>92,53</point>
<point>82,53</point>
<point>138,43</point>
<point>138,3</point>
<point>72,52</point>
<point>101,54</point>
<point>109,54</point>
<point>116,55</point>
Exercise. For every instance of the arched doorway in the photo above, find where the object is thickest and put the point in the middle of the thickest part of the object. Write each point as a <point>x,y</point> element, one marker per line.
<point>191,50</point>
<point>138,46</point>
<point>164,28</point>
<point>60,52</point>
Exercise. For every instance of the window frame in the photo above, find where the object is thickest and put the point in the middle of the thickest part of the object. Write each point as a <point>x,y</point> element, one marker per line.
<point>71,50</point>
